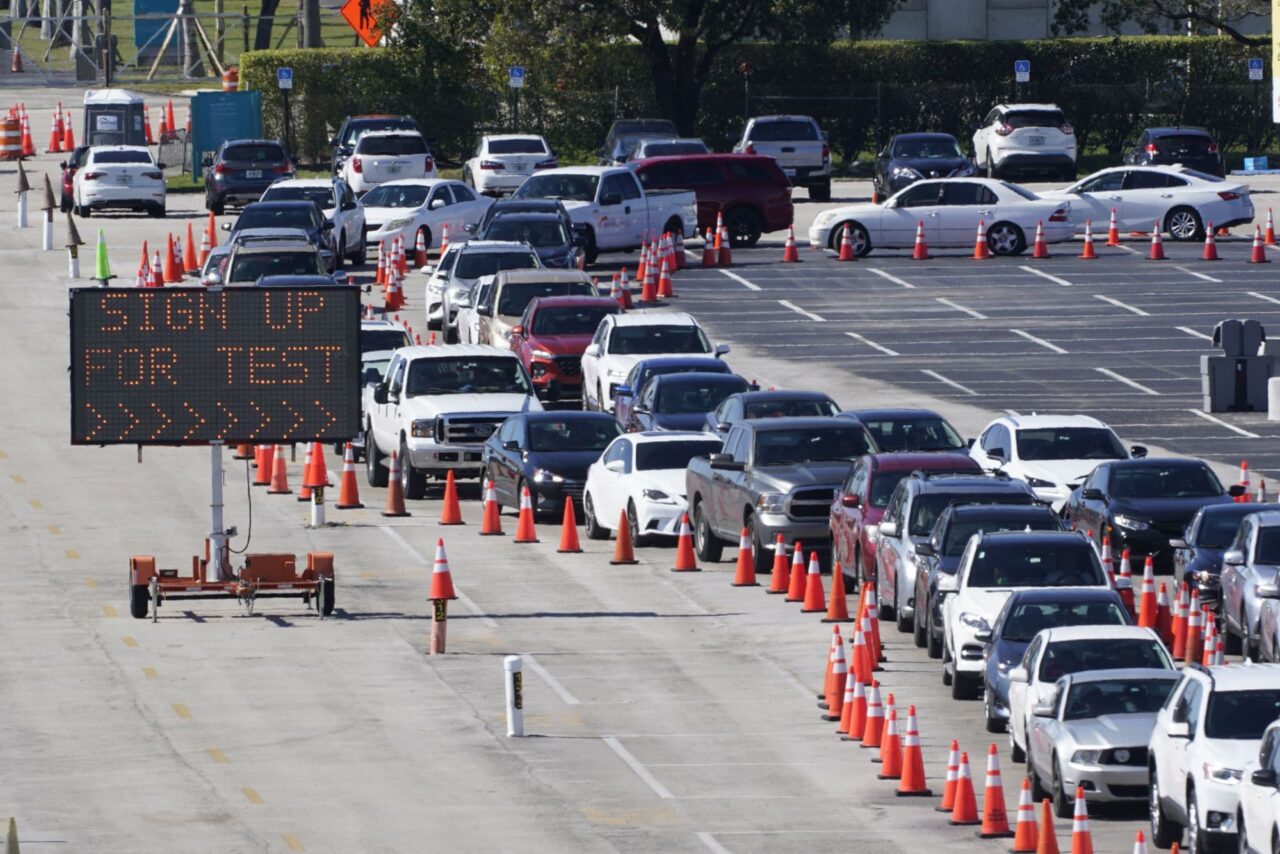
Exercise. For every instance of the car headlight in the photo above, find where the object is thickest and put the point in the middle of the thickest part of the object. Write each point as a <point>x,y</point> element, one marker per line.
<point>1204,576</point>
<point>1086,757</point>
<point>905,172</point>
<point>657,496</point>
<point>975,621</point>
<point>1133,523</point>
<point>397,224</point>
<point>771,502</point>
<point>540,354</point>
<point>423,428</point>
<point>544,476</point>
<point>1037,483</point>
<point>823,218</point>
<point>1222,773</point>
<point>618,374</point>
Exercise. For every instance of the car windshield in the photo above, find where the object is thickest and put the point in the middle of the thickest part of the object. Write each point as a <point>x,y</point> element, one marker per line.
<point>373,371</point>
<point>359,128</point>
<point>519,145</point>
<point>960,530</point>
<point>650,339</point>
<point>1062,563</point>
<point>563,186</point>
<point>665,456</point>
<point>569,321</point>
<point>397,196</point>
<point>1028,618</point>
<point>573,434</point>
<point>322,196</point>
<point>928,148</point>
<point>810,445</point>
<point>473,265</point>
<point>1156,481</point>
<point>928,506</point>
<point>667,149</point>
<point>1184,143</point>
<point>642,373</point>
<point>883,483</point>
<point>1069,443</point>
<point>913,433</point>
<point>392,146</point>
<point>782,130</point>
<point>1089,700</point>
<point>469,375</point>
<point>792,408</point>
<point>251,267</point>
<point>684,397</point>
<point>1241,715</point>
<point>1062,658</point>
<point>383,339</point>
<point>1035,119</point>
<point>271,216</point>
<point>121,157</point>
<point>1267,549</point>
<point>516,296</point>
<point>253,154</point>
<point>1217,530</point>
<point>545,232</point>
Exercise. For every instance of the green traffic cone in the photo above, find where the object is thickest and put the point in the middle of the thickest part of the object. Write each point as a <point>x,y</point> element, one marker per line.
<point>11,842</point>
<point>102,267</point>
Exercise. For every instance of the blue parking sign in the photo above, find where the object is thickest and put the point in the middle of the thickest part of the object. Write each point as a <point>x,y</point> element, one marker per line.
<point>284,78</point>
<point>1022,70</point>
<point>515,76</point>
<point>1255,68</point>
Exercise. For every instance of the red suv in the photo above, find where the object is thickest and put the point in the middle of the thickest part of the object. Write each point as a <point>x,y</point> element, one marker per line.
<point>750,190</point>
<point>550,338</point>
<point>862,498</point>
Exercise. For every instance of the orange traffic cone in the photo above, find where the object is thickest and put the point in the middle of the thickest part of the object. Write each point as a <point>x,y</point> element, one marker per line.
<point>1259,254</point>
<point>569,530</point>
<point>995,821</point>
<point>681,259</point>
<point>839,676</point>
<point>1040,249</point>
<point>642,263</point>
<point>205,249</point>
<point>814,599</point>
<point>170,270</point>
<point>314,474</point>
<point>1024,830</point>
<point>965,810</point>
<point>953,777</point>
<point>1210,247</point>
<point>441,578</point>
<point>491,522</point>
<point>861,663</point>
<point>829,666</point>
<point>380,268</point>
<point>1164,617</point>
<point>1157,245</point>
<point>444,239</point>
<point>871,627</point>
<point>685,561</point>
<point>170,126</point>
<point>1047,841</point>
<point>525,530</point>
<point>744,574</point>
<point>623,554</point>
<point>846,702</point>
<point>15,65</point>
<point>1113,231</point>
<point>648,290</point>
<point>68,133</point>
<point>395,491</point>
<point>891,744</point>
<point>1180,605</point>
<point>279,475</point>
<point>189,262</point>
<point>212,230</point>
<point>1270,236</point>
<point>795,587</point>
<point>402,262</point>
<point>920,252</point>
<point>1147,598</point>
<point>450,512</point>
<point>913,781</point>
<point>778,580</point>
<point>243,452</point>
<point>264,462</point>
<point>1088,255</point>
<point>709,254</point>
<point>304,491</point>
<point>838,607</point>
<point>874,729</point>
<point>55,132</point>
<point>146,126</point>
<point>348,490</point>
<point>28,144</point>
<point>157,270</point>
<point>981,251</point>
<point>1194,645</point>
<point>725,256</point>
<point>855,719</point>
<point>1261,496</point>
<point>846,245</point>
<point>790,254</point>
<point>420,251</point>
<point>1210,645</point>
<point>1243,498</point>
<point>1140,841</point>
<point>665,291</point>
<point>1124,583</point>
<point>1081,838</point>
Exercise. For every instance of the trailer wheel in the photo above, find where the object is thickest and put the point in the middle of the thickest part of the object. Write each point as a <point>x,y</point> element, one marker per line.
<point>139,601</point>
<point>327,585</point>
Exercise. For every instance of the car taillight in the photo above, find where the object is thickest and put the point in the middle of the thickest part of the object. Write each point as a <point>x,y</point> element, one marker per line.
<point>548,164</point>
<point>750,149</point>
<point>1067,129</point>
<point>428,166</point>
<point>826,151</point>
<point>1151,148</point>
<point>1212,148</point>
<point>219,168</point>
<point>1004,130</point>
<point>1060,215</point>
<point>491,164</point>
<point>93,176</point>
<point>356,165</point>
<point>154,176</point>
<point>282,169</point>
<point>1228,196</point>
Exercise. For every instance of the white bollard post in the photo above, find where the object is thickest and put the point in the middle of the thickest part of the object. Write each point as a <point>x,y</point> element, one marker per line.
<point>73,262</point>
<point>1273,399</point>
<point>22,210</point>
<point>46,231</point>
<point>317,507</point>
<point>513,665</point>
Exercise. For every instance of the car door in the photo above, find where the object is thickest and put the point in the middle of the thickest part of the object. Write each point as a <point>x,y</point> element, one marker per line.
<point>386,423</point>
<point>720,500</point>
<point>642,413</point>
<point>467,207</point>
<point>1090,514</point>
<point>889,549</point>
<point>505,462</point>
<point>1146,198</point>
<point>1261,804</point>
<point>623,216</point>
<point>964,205</point>
<point>1234,578</point>
<point>608,494</point>
<point>728,413</point>
<point>352,212</point>
<point>591,367</point>
<point>1177,751</point>
<point>1096,196</point>
<point>1019,691</point>
<point>919,204</point>
<point>841,519</point>
<point>980,137</point>
<point>481,316</point>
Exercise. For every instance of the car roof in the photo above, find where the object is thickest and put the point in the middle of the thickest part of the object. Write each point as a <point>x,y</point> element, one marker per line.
<point>867,414</point>
<point>282,245</point>
<point>490,246</point>
<point>662,318</point>
<point>230,142</point>
<point>580,170</point>
<point>1124,674</point>
<point>1097,632</point>
<point>246,236</point>
<point>527,216</point>
<point>695,377</point>
<point>293,280</point>
<point>111,96</point>
<point>1237,510</point>
<point>1028,107</point>
<point>543,275</point>
<point>783,118</point>
<point>1065,594</point>
<point>417,182</point>
<point>789,422</point>
<point>969,483</point>
<point>1036,421</point>
<point>501,136</point>
<point>372,116</point>
<point>782,394</point>
<point>678,361</point>
<point>376,355</point>
<point>377,323</point>
<point>1040,537</point>
<point>922,460</point>
<point>304,182</point>
<point>573,302</point>
<point>280,203</point>
<point>526,205</point>
<point>649,437</point>
<point>1155,462</point>
<point>373,134</point>
<point>563,414</point>
<point>703,157</point>
<point>1268,518</point>
<point>96,148</point>
<point>440,351</point>
<point>997,511</point>
<point>923,135</point>
<point>1169,130</point>
<point>1248,676</point>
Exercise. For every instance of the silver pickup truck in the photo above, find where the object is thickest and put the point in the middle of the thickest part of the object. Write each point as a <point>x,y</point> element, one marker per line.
<point>799,146</point>
<point>775,476</point>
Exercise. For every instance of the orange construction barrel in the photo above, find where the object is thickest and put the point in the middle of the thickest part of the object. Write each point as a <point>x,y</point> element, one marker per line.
<point>231,79</point>
<point>10,138</point>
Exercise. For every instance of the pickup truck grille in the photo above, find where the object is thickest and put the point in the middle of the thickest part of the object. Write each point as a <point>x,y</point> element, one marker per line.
<point>469,429</point>
<point>811,503</point>
<point>570,366</point>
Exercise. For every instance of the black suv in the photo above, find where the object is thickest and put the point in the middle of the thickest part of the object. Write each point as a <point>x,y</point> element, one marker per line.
<point>241,170</point>
<point>1194,148</point>
<point>557,247</point>
<point>353,126</point>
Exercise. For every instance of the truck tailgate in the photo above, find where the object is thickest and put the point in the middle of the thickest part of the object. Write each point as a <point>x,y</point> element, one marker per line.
<point>791,154</point>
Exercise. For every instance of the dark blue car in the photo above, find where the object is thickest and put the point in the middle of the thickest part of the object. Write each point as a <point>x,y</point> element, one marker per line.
<point>241,169</point>
<point>641,371</point>
<point>681,401</point>
<point>1197,553</point>
<point>768,403</point>
<point>908,429</point>
<point>909,157</point>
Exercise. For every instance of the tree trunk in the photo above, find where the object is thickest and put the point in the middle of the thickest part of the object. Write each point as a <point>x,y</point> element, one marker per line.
<point>192,66</point>
<point>262,35</point>
<point>310,20</point>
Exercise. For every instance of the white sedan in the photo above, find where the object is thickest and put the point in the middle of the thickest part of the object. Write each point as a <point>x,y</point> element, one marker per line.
<point>501,162</point>
<point>337,200</point>
<point>119,176</point>
<point>421,206</point>
<point>382,156</point>
<point>949,209</point>
<point>642,474</point>
<point>1182,200</point>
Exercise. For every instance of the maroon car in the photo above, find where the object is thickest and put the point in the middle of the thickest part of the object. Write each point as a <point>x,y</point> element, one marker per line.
<point>750,191</point>
<point>550,338</point>
<point>863,496</point>
<point>69,167</point>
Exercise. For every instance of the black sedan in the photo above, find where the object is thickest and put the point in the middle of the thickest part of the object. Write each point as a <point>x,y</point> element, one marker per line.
<point>1144,503</point>
<point>1194,148</point>
<point>549,452</point>
<point>908,429</point>
<point>910,157</point>
<point>681,401</point>
<point>771,403</point>
<point>1197,553</point>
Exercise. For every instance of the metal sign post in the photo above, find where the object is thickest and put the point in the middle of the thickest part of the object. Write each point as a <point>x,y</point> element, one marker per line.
<point>284,79</point>
<point>515,81</point>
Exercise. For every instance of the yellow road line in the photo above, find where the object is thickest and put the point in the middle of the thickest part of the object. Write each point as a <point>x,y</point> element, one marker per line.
<point>108,611</point>
<point>293,842</point>
<point>218,756</point>
<point>130,641</point>
<point>72,554</point>
<point>252,795</point>
<point>35,504</point>
<point>55,530</point>
<point>3,455</point>
<point>17,478</point>
<point>91,582</point>
<point>182,711</point>
<point>151,672</point>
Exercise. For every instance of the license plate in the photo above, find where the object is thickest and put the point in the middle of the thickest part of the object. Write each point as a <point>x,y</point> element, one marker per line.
<point>253,173</point>
<point>125,179</point>
<point>1035,140</point>
<point>393,168</point>
<point>790,173</point>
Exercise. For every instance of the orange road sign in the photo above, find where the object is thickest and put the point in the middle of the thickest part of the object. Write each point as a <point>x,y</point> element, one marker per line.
<point>370,18</point>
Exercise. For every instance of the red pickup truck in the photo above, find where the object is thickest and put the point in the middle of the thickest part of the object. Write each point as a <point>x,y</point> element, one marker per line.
<point>750,190</point>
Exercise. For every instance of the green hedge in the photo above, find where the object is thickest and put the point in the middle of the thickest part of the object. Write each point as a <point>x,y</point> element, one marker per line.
<point>862,92</point>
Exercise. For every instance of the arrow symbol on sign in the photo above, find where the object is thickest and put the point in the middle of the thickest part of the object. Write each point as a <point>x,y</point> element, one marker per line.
<point>199,421</point>
<point>297,419</point>
<point>328,415</point>
<point>232,420</point>
<point>167,421</point>
<point>102,422</point>
<point>263,420</point>
<point>133,417</point>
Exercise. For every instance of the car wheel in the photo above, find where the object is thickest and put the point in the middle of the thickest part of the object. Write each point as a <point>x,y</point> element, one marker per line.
<point>1242,836</point>
<point>993,723</point>
<point>744,227</point>
<point>886,610</point>
<point>947,678</point>
<point>933,642</point>
<point>992,173</point>
<point>919,629</point>
<point>360,253</point>
<point>374,470</point>
<point>1197,841</point>
<point>595,531</point>
<point>139,601</point>
<point>1038,792</point>
<point>1005,238</point>
<point>633,522</point>
<point>599,398</point>
<point>1163,831</point>
<point>1063,806</point>
<point>903,621</point>
<point>340,258</point>
<point>413,483</point>
<point>820,192</point>
<point>706,544</point>
<point>964,686</point>
<point>761,558</point>
<point>1233,642</point>
<point>215,207</point>
<point>590,252</point>
<point>857,236</point>
<point>1184,224</point>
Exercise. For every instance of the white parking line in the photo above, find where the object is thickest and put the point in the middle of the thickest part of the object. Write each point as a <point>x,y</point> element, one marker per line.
<point>1200,276</point>
<point>940,378</point>
<point>882,274</point>
<point>873,345</point>
<point>798,310</point>
<point>466,600</point>
<point>1034,340</point>
<point>1193,333</point>
<point>1264,297</point>
<point>1122,379</point>
<point>1233,428</point>
<point>1119,304</point>
<point>958,307</point>
<point>712,843</point>
<point>552,682</point>
<point>1042,274</point>
<point>1128,249</point>
<point>750,285</point>
<point>641,771</point>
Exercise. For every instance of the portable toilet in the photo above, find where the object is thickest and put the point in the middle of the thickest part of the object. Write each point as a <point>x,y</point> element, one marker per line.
<point>113,117</point>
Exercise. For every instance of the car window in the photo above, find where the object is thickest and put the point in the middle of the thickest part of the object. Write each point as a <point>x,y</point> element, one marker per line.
<point>1025,619</point>
<point>1241,715</point>
<point>1061,562</point>
<point>1137,179</point>
<point>961,529</point>
<point>467,375</point>
<point>1275,752</point>
<point>1069,443</point>
<point>473,265</point>
<point>1035,119</point>
<point>397,378</point>
<point>560,185</point>
<point>542,232</point>
<point>1107,182</point>
<point>960,193</point>
<point>1266,549</point>
<point>462,193</point>
<point>1156,481</point>
<point>782,130</point>
<point>519,145</point>
<point>266,153</point>
<point>251,267</point>
<point>753,172</point>
<point>1089,700</point>
<point>650,339</point>
<point>440,193</point>
<point>569,320</point>
<point>996,439</point>
<point>572,434</point>
<point>913,433</point>
<point>920,195</point>
<point>1175,181</point>
<point>383,339</point>
<point>391,146</point>
<point>926,148</point>
<point>658,456</point>
<point>790,408</point>
<point>1033,650</point>
<point>1063,658</point>
<point>885,491</point>
<point>121,157</point>
<point>685,397</point>
<point>1187,708</point>
<point>810,445</point>
<point>267,215</point>
<point>622,183</point>
<point>397,196</point>
<point>510,431</point>
<point>322,196</point>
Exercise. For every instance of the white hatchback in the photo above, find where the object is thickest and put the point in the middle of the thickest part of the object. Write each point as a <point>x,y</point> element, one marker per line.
<point>385,155</point>
<point>501,162</point>
<point>119,176</point>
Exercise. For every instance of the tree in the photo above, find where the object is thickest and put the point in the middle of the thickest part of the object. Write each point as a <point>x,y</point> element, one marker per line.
<point>1073,16</point>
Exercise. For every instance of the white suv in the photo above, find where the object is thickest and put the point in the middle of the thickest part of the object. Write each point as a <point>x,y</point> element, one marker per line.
<point>1205,735</point>
<point>1026,138</point>
<point>1259,816</point>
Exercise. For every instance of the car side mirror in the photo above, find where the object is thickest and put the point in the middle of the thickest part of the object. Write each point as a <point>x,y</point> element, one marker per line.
<point>464,301</point>
<point>851,499</point>
<point>616,466</point>
<point>211,280</point>
<point>333,141</point>
<point>723,427</point>
<point>722,348</point>
<point>511,445</point>
<point>1019,674</point>
<point>725,462</point>
<point>1043,710</point>
<point>1178,543</point>
<point>622,391</point>
<point>517,330</point>
<point>206,161</point>
<point>327,225</point>
<point>1263,777</point>
<point>983,637</point>
<point>226,226</point>
<point>470,227</point>
<point>62,165</point>
<point>592,350</point>
<point>611,199</point>
<point>1138,451</point>
<point>436,204</point>
<point>1092,495</point>
<point>484,310</point>
<point>1178,729</point>
<point>1236,490</point>
<point>160,165</point>
<point>1233,557</point>
<point>998,454</point>
<point>380,394</point>
<point>639,409</point>
<point>926,550</point>
<point>350,205</point>
<point>888,529</point>
<point>1267,591</point>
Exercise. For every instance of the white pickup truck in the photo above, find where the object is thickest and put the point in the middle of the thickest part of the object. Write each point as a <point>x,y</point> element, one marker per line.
<point>799,146</point>
<point>618,212</point>
<point>436,408</point>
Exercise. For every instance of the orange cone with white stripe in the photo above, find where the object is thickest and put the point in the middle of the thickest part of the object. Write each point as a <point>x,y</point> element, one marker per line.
<point>838,607</point>
<point>873,731</point>
<point>1261,496</point>
<point>380,269</point>
<point>1157,244</point>
<point>1108,565</point>
<point>170,269</point>
<point>1040,249</point>
<point>648,290</point>
<point>912,784</point>
<point>829,666</point>
<point>1140,841</point>
<point>1147,598</point>
<point>1210,644</point>
<point>1047,841</point>
<point>778,579</point>
<point>525,530</point>
<point>965,809</point>
<point>871,626</point>
<point>1113,230</point>
<point>1244,483</point>
<point>846,702</point>
<point>835,692</point>
<point>744,574</point>
<point>304,491</point>
<point>348,490</point>
<point>861,661</point>
<point>402,261</point>
<point>444,239</point>
<point>725,255</point>
<point>450,511</point>
<point>204,249</point>
<point>854,721</point>
<point>995,820</point>
<point>1164,617</point>
<point>790,254</point>
<point>846,245</point>
<point>796,586</point>
<point>1087,255</point>
<point>890,710</point>
<point>643,265</point>
<point>685,560</point>
<point>1081,838</point>
<point>212,230</point>
<point>280,475</point>
<point>1270,237</point>
<point>665,291</point>
<point>1210,246</point>
<point>395,492</point>
<point>491,521</point>
<point>981,250</point>
<point>441,578</point>
<point>146,126</point>
<point>1124,583</point>
<point>814,597</point>
<point>891,750</point>
<point>1259,253</point>
<point>708,251</point>
<point>953,777</point>
<point>1024,829</point>
<point>1194,647</point>
<point>55,131</point>
<point>190,264</point>
<point>420,251</point>
<point>1181,602</point>
<point>920,252</point>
